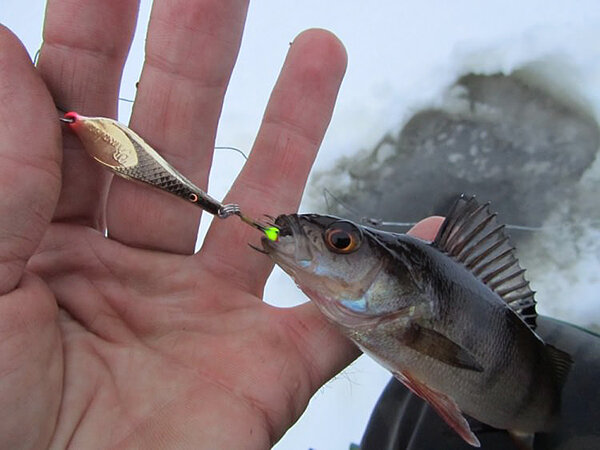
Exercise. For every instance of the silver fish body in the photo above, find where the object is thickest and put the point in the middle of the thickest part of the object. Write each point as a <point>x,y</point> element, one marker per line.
<point>453,331</point>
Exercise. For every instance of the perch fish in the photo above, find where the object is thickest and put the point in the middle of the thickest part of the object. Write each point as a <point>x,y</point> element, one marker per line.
<point>452,319</point>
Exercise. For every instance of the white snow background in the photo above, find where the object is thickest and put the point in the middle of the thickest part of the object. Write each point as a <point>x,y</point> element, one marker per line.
<point>402,54</point>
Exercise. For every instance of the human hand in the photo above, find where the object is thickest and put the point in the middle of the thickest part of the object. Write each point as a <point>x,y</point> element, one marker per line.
<point>131,340</point>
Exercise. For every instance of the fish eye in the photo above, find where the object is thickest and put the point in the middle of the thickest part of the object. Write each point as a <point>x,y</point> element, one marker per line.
<point>343,237</point>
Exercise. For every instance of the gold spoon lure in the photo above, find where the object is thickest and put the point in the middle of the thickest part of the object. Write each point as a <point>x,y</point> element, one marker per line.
<point>126,154</point>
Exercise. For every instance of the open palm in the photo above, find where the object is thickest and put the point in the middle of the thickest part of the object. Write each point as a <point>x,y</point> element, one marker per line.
<point>132,340</point>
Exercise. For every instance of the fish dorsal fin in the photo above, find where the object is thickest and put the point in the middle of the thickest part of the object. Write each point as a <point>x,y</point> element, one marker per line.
<point>472,236</point>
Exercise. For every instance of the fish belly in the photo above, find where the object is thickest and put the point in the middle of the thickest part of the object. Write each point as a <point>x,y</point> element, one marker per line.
<point>508,394</point>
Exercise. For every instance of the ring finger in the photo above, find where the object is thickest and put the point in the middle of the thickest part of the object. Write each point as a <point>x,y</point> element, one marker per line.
<point>190,52</point>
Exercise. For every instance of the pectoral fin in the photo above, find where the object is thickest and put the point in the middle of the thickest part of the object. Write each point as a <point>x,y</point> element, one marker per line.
<point>435,345</point>
<point>444,405</point>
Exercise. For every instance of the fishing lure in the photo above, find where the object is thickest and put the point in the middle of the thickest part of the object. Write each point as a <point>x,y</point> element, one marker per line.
<point>126,154</point>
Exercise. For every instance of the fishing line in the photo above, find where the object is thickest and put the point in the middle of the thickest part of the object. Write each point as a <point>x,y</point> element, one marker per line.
<point>375,222</point>
<point>371,221</point>
<point>226,147</point>
<point>218,147</point>
<point>128,100</point>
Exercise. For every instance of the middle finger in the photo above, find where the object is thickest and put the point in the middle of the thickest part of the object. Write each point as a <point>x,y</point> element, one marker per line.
<point>191,48</point>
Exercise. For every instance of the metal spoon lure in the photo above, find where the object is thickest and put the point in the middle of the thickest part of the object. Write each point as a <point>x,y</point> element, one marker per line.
<point>126,154</point>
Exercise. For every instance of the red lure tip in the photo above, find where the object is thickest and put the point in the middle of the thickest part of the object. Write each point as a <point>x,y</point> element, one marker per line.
<point>72,117</point>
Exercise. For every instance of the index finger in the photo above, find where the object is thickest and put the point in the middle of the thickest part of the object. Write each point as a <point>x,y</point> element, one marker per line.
<point>273,179</point>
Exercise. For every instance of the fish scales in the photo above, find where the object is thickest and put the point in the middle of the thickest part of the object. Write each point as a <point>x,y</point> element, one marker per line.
<point>508,354</point>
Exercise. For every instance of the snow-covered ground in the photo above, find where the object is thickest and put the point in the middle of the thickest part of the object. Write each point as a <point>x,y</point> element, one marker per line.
<point>402,54</point>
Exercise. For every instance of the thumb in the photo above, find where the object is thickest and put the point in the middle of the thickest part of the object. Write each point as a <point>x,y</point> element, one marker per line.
<point>428,228</point>
<point>30,159</point>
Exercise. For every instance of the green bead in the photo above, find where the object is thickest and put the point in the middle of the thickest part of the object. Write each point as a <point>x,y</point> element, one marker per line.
<point>272,233</point>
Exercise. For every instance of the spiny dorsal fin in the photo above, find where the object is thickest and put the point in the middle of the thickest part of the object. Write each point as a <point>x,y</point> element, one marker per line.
<point>472,236</point>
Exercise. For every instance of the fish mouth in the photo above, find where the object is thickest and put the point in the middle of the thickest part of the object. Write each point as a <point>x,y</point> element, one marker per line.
<point>291,246</point>
<point>284,224</point>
